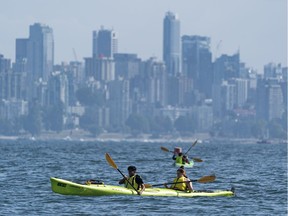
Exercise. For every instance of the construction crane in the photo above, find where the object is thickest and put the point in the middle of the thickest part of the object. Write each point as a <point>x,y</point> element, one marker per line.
<point>75,56</point>
<point>217,49</point>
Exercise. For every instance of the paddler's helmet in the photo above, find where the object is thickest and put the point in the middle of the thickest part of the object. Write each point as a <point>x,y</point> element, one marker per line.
<point>131,168</point>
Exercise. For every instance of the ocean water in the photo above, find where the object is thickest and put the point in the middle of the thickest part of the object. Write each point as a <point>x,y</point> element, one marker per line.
<point>257,171</point>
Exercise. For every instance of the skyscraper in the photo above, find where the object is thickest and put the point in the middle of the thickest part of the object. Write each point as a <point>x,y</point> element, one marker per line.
<point>21,49</point>
<point>269,101</point>
<point>197,62</point>
<point>105,43</point>
<point>40,52</point>
<point>226,67</point>
<point>171,43</point>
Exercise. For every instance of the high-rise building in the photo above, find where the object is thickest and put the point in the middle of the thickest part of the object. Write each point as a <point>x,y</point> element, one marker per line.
<point>105,43</point>
<point>156,82</point>
<point>35,56</point>
<point>126,65</point>
<point>171,43</point>
<point>119,102</point>
<point>5,64</point>
<point>269,101</point>
<point>241,91</point>
<point>102,69</point>
<point>21,49</point>
<point>224,98</point>
<point>226,67</point>
<point>40,52</point>
<point>197,62</point>
<point>58,89</point>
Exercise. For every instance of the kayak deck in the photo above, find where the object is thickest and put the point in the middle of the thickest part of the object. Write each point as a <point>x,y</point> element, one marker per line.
<point>65,187</point>
<point>186,165</point>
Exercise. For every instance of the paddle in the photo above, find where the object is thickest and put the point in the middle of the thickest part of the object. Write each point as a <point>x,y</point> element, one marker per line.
<point>194,159</point>
<point>112,164</point>
<point>165,149</point>
<point>191,147</point>
<point>204,179</point>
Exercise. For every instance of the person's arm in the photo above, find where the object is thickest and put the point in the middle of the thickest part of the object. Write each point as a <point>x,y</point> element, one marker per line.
<point>174,157</point>
<point>122,181</point>
<point>142,188</point>
<point>140,182</point>
<point>189,185</point>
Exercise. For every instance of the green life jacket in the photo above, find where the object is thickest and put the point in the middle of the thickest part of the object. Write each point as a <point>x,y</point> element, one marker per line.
<point>132,180</point>
<point>179,159</point>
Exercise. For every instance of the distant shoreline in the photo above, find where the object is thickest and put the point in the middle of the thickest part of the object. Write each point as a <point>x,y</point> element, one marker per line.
<point>83,136</point>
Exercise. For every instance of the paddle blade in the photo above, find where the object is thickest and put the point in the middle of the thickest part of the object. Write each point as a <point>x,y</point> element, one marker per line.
<point>197,159</point>
<point>164,149</point>
<point>206,179</point>
<point>148,185</point>
<point>110,161</point>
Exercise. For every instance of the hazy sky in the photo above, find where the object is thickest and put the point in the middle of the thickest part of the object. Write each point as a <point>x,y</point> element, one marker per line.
<point>257,27</point>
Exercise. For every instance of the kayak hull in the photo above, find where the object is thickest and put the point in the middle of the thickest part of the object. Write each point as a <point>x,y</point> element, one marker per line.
<point>186,165</point>
<point>65,187</point>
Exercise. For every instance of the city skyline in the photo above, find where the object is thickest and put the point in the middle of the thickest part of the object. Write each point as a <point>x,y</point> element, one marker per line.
<point>256,40</point>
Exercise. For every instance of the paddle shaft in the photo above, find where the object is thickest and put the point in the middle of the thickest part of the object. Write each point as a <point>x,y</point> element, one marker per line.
<point>204,179</point>
<point>191,147</point>
<point>175,182</point>
<point>113,164</point>
<point>127,180</point>
<point>194,159</point>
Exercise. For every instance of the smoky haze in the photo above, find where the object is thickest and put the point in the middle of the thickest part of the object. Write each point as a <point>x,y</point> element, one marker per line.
<point>257,28</point>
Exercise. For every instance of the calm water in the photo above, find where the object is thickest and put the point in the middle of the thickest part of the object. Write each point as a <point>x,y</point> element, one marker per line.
<point>257,171</point>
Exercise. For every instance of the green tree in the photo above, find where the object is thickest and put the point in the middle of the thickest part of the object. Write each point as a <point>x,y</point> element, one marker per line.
<point>33,121</point>
<point>184,124</point>
<point>276,130</point>
<point>137,123</point>
<point>160,124</point>
<point>88,98</point>
<point>89,121</point>
<point>53,117</point>
<point>258,128</point>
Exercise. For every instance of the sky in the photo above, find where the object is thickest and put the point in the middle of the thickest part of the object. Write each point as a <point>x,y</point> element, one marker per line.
<point>257,28</point>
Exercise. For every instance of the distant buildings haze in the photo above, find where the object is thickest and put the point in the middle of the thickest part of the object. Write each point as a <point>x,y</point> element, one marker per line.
<point>184,93</point>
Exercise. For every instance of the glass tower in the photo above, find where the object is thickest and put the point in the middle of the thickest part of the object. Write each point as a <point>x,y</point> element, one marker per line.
<point>105,43</point>
<point>40,52</point>
<point>171,43</point>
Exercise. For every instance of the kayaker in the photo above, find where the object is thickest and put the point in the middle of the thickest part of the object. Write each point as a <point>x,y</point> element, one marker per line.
<point>184,183</point>
<point>185,160</point>
<point>134,179</point>
<point>178,158</point>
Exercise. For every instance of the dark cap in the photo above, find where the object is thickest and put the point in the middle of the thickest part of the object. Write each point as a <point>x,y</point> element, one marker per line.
<point>131,168</point>
<point>181,170</point>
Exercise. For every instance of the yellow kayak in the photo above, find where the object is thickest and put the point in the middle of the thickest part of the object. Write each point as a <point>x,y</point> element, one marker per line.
<point>65,187</point>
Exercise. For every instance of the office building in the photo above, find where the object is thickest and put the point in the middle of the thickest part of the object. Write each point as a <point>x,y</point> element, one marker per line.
<point>226,67</point>
<point>40,52</point>
<point>105,43</point>
<point>197,62</point>
<point>171,43</point>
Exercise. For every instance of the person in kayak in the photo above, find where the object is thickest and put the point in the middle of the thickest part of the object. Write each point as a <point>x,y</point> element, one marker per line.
<point>134,179</point>
<point>184,183</point>
<point>178,158</point>
<point>185,160</point>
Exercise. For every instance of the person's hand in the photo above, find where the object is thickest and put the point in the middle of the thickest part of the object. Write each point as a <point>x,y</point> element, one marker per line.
<point>139,192</point>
